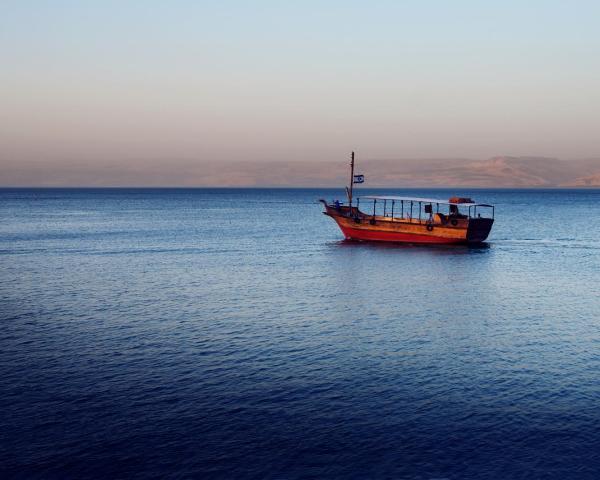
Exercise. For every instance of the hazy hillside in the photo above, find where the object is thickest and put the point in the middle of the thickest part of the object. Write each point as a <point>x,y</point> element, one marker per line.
<point>494,172</point>
<point>587,181</point>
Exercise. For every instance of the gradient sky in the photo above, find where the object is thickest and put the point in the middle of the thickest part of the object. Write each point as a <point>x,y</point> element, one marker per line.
<point>151,83</point>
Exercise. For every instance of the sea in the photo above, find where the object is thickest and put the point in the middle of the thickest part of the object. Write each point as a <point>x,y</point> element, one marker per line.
<point>234,334</point>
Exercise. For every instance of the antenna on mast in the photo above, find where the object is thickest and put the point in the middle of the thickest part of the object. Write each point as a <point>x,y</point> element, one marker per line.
<point>349,191</point>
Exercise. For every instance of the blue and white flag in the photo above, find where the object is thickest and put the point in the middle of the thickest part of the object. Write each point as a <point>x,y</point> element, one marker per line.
<point>359,179</point>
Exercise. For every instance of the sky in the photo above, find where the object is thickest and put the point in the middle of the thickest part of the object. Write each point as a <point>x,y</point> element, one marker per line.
<point>151,86</point>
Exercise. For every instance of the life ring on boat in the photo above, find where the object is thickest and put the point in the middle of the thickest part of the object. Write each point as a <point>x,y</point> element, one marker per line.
<point>454,222</point>
<point>372,221</point>
<point>429,227</point>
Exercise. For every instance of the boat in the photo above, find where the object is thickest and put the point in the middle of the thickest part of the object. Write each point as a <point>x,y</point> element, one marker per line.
<point>388,218</point>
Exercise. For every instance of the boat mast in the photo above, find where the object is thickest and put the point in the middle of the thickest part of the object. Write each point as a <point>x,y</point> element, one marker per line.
<point>351,180</point>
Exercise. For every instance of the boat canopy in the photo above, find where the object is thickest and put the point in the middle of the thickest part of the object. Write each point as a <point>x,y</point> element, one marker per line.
<point>425,200</point>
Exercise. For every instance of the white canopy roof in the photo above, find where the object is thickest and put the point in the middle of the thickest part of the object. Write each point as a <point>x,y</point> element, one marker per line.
<point>423,200</point>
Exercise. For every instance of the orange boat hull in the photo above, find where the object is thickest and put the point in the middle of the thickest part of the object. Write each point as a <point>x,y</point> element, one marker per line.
<point>399,237</point>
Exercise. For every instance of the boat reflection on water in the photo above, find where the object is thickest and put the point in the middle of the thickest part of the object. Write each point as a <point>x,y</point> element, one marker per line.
<point>442,249</point>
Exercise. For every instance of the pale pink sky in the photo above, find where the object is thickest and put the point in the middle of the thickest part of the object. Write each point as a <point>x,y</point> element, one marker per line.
<point>149,85</point>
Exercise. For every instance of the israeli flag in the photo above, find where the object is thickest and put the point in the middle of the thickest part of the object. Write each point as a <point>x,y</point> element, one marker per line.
<point>359,179</point>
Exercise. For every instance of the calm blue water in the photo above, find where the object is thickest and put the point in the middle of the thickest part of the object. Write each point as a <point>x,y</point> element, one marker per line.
<point>232,334</point>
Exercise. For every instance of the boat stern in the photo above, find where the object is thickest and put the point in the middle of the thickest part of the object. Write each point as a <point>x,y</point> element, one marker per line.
<point>479,229</point>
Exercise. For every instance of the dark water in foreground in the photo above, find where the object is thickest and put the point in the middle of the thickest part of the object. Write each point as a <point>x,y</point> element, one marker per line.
<point>231,334</point>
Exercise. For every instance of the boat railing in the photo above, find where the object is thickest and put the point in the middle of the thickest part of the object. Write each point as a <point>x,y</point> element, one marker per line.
<point>420,211</point>
<point>411,210</point>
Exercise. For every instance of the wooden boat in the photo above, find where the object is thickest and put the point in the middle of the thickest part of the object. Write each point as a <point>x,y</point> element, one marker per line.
<point>458,220</point>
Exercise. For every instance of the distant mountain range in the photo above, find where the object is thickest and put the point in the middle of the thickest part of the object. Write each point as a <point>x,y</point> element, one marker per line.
<point>500,171</point>
<point>495,172</point>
